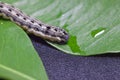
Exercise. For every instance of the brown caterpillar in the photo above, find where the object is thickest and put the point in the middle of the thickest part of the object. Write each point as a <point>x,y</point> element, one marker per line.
<point>33,26</point>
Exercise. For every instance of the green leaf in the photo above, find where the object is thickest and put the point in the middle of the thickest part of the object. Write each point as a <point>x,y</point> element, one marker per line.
<point>93,25</point>
<point>18,58</point>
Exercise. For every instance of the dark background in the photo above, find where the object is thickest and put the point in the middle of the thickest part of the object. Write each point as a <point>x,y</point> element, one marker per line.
<point>62,66</point>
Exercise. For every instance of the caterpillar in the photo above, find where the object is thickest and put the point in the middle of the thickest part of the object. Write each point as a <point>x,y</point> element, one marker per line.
<point>33,26</point>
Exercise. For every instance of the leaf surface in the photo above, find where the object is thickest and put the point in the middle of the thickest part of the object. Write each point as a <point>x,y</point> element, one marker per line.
<point>93,25</point>
<point>18,58</point>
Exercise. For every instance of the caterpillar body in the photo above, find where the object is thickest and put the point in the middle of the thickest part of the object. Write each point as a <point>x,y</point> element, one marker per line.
<point>33,26</point>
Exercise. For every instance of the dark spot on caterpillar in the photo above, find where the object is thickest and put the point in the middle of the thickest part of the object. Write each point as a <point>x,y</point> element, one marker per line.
<point>10,10</point>
<point>48,27</point>
<point>40,24</point>
<point>0,11</point>
<point>64,32</point>
<point>32,21</point>
<point>8,15</point>
<point>21,23</point>
<point>24,18</point>
<point>29,26</point>
<point>18,15</point>
<point>1,6</point>
<point>36,29</point>
<point>55,29</point>
<point>46,32</point>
